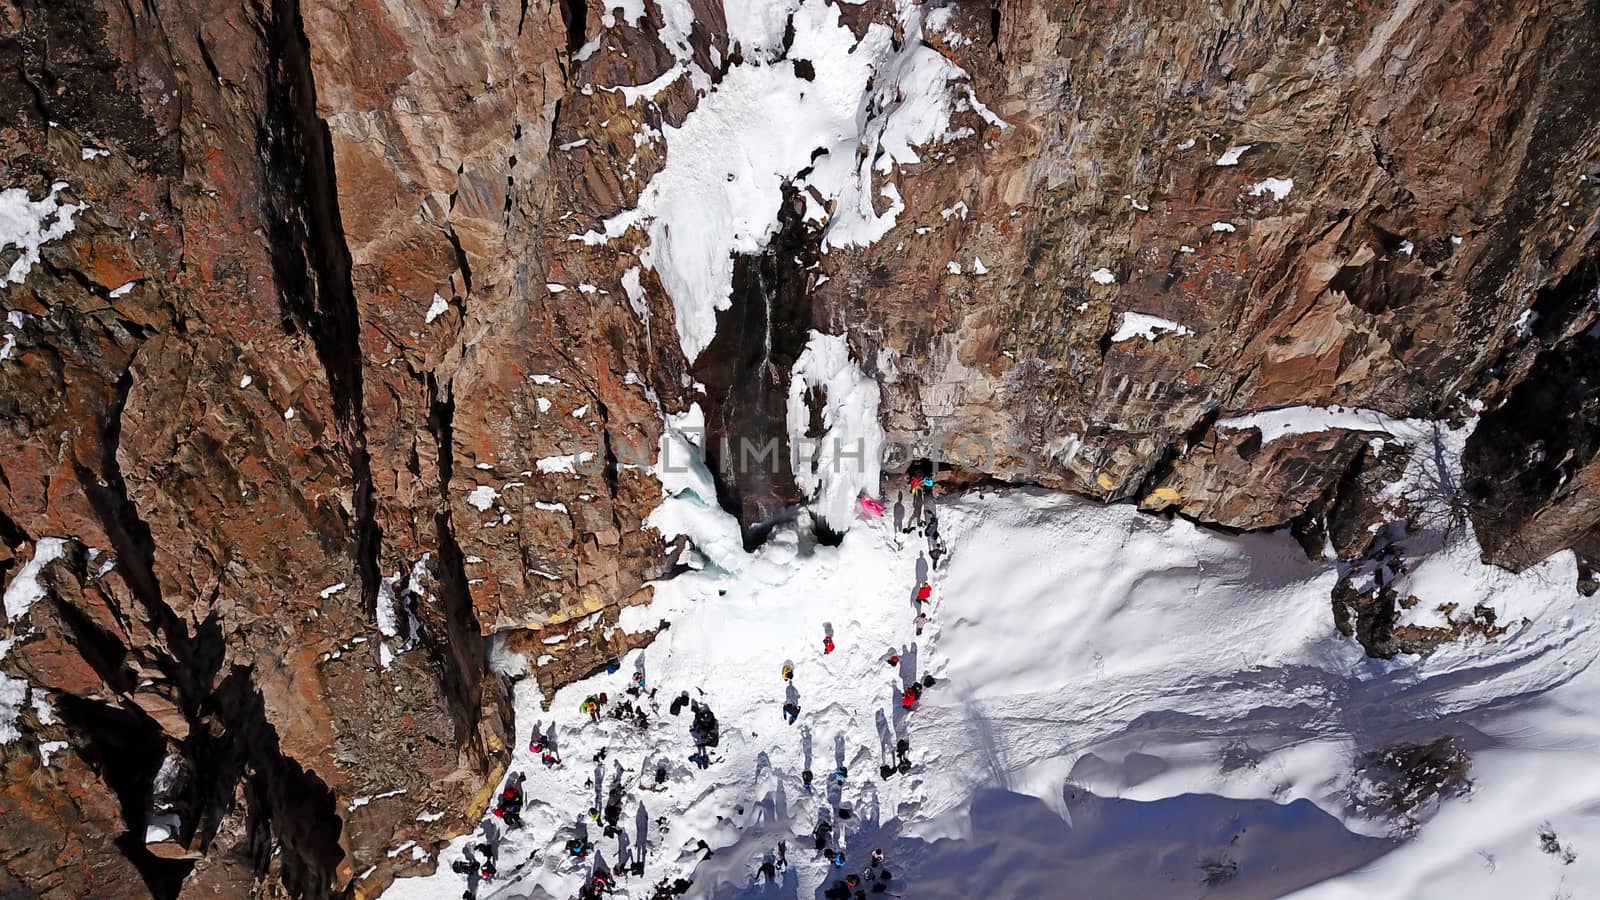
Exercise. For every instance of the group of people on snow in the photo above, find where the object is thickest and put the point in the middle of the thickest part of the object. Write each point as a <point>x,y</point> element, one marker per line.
<point>479,859</point>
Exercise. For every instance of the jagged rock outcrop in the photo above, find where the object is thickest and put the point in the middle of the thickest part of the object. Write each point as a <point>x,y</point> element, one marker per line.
<point>340,370</point>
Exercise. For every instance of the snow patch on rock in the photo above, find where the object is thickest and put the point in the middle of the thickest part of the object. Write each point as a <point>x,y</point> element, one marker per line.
<point>872,102</point>
<point>161,827</point>
<point>635,293</point>
<point>437,308</point>
<point>566,464</point>
<point>25,589</point>
<point>1294,420</point>
<point>1279,188</point>
<point>13,694</point>
<point>1144,325</point>
<point>505,661</point>
<point>1231,156</point>
<point>26,225</point>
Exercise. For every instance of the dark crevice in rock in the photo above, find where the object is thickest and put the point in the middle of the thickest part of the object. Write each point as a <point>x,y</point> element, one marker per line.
<point>1379,285</point>
<point>461,256</point>
<point>125,748</point>
<point>1570,301</point>
<point>612,469</point>
<point>1522,459</point>
<point>103,652</point>
<point>10,531</point>
<point>1163,467</point>
<point>312,260</point>
<point>575,16</point>
<point>205,57</point>
<point>107,492</point>
<point>746,373</point>
<point>225,722</point>
<point>289,805</point>
<point>994,29</point>
<point>461,654</point>
<point>1340,509</point>
<point>1339,517</point>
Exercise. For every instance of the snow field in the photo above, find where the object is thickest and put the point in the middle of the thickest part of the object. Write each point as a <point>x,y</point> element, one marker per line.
<point>1119,700</point>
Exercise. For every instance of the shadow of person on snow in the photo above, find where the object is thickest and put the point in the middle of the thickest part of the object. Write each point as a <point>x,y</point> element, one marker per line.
<point>787,887</point>
<point>641,834</point>
<point>885,739</point>
<point>908,664</point>
<point>922,576</point>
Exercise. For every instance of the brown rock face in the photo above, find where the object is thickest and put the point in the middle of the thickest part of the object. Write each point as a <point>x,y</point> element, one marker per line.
<point>323,388</point>
<point>1438,194</point>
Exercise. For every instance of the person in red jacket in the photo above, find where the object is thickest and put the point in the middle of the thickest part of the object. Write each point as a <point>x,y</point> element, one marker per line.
<point>924,593</point>
<point>912,694</point>
<point>827,644</point>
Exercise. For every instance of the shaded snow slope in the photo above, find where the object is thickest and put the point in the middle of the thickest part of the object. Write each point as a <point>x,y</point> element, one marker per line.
<point>1171,697</point>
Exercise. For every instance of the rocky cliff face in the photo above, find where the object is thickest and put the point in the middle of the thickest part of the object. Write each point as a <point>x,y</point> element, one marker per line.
<point>347,375</point>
